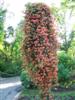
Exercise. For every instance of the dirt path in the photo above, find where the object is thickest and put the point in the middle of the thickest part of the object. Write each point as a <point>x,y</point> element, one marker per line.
<point>9,88</point>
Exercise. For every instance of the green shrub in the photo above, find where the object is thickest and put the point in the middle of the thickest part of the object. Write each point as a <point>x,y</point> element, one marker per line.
<point>9,68</point>
<point>64,67</point>
<point>26,81</point>
<point>64,59</point>
<point>63,73</point>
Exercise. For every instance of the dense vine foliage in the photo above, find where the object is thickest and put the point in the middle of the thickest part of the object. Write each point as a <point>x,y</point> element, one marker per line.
<point>40,45</point>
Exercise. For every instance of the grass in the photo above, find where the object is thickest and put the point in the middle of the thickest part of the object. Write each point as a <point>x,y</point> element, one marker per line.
<point>70,93</point>
<point>63,95</point>
<point>27,92</point>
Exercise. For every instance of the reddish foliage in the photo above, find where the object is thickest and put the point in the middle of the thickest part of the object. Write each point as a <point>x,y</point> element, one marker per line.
<point>40,46</point>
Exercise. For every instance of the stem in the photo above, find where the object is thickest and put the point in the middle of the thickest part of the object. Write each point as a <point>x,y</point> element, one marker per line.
<point>46,95</point>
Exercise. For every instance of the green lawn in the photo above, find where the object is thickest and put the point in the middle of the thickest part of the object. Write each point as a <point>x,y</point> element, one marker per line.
<point>70,95</point>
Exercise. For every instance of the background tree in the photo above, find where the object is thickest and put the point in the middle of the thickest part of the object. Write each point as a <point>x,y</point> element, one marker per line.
<point>64,16</point>
<point>10,62</point>
<point>2,19</point>
<point>9,39</point>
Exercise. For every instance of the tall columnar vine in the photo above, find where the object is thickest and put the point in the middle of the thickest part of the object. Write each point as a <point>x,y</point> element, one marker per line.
<point>40,46</point>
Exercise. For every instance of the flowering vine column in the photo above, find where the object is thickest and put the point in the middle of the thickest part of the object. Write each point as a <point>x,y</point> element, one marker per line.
<point>40,46</point>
